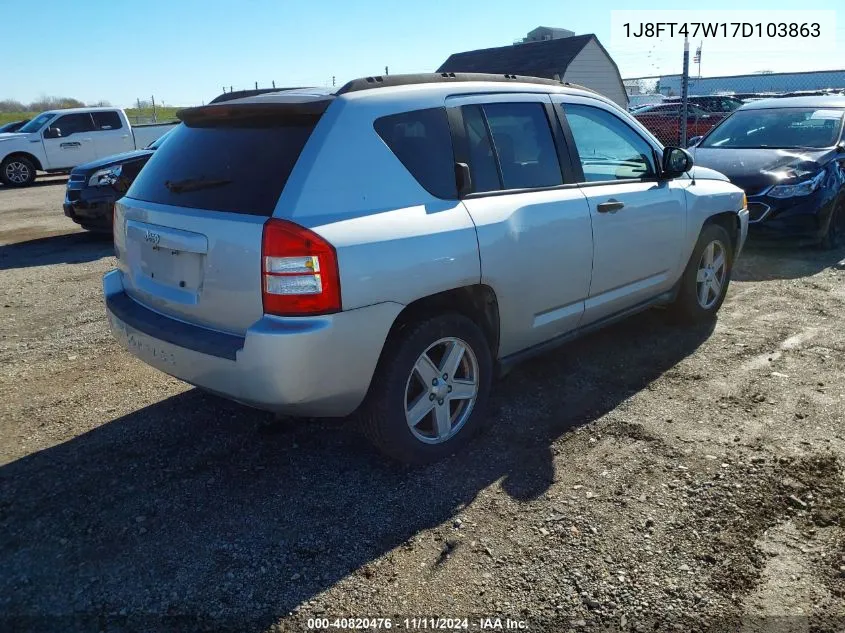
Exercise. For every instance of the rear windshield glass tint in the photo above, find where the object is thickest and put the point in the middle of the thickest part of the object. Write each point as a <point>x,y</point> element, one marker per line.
<point>237,167</point>
<point>422,142</point>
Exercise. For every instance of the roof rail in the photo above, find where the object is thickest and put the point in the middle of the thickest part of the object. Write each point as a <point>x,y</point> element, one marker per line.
<point>384,81</point>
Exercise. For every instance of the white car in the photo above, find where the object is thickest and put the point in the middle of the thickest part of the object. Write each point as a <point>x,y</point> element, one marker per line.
<point>59,140</point>
<point>388,248</point>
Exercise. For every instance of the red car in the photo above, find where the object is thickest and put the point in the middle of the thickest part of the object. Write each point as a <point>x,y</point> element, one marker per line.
<point>664,121</point>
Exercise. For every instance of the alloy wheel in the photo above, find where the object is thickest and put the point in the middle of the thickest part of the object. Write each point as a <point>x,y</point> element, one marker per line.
<point>712,272</point>
<point>441,391</point>
<point>17,172</point>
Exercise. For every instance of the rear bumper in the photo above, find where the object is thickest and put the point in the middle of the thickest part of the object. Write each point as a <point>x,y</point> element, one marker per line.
<point>314,366</point>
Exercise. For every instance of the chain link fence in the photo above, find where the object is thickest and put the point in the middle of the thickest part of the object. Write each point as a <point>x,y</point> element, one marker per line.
<point>657,101</point>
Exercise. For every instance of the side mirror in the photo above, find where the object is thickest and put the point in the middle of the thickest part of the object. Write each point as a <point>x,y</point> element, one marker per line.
<point>694,141</point>
<point>52,132</point>
<point>676,161</point>
<point>463,179</point>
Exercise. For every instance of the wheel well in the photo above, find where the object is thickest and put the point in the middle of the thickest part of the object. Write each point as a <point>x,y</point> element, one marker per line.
<point>728,221</point>
<point>477,302</point>
<point>32,159</point>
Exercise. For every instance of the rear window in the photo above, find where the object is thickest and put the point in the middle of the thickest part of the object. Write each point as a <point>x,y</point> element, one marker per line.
<point>239,166</point>
<point>422,142</point>
<point>106,120</point>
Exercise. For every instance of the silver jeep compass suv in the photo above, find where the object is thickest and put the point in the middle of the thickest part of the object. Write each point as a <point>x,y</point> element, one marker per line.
<point>386,249</point>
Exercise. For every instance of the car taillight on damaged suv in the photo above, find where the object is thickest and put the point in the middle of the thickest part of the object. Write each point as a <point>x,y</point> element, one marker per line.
<point>299,271</point>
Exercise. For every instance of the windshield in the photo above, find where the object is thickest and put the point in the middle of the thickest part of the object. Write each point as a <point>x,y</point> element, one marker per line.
<point>157,143</point>
<point>782,128</point>
<point>37,123</point>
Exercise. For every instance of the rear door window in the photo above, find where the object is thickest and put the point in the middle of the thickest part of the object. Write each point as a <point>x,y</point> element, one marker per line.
<point>106,120</point>
<point>482,162</point>
<point>239,165</point>
<point>524,145</point>
<point>422,142</point>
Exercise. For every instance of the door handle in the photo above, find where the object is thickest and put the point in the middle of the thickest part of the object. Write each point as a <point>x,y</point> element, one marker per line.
<point>611,206</point>
<point>125,136</point>
<point>71,144</point>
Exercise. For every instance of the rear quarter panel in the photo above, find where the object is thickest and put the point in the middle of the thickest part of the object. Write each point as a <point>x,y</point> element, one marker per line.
<point>394,240</point>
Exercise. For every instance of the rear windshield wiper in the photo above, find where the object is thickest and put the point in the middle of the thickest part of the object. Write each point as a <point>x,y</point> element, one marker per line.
<point>194,184</point>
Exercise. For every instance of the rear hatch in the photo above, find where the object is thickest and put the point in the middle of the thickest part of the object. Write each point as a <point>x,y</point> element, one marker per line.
<point>188,233</point>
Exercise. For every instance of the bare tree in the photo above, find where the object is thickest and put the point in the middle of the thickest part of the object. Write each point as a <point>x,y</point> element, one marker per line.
<point>55,103</point>
<point>10,105</point>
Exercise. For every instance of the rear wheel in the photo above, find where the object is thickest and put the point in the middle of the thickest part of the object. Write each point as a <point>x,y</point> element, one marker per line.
<point>835,236</point>
<point>430,390</point>
<point>97,228</point>
<point>704,283</point>
<point>17,171</point>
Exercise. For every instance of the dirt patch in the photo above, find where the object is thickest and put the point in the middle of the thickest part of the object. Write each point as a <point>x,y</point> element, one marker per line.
<point>645,478</point>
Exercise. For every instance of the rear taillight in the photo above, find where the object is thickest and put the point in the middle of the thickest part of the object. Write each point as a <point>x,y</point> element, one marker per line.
<point>299,274</point>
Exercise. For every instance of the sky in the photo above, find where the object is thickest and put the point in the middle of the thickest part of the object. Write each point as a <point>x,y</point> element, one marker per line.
<point>183,52</point>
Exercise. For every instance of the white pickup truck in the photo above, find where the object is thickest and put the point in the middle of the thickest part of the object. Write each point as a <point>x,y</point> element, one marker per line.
<point>59,140</point>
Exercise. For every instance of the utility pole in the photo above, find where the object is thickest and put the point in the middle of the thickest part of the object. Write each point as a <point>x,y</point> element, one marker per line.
<point>256,85</point>
<point>332,81</point>
<point>386,72</point>
<point>274,83</point>
<point>685,94</point>
<point>153,101</point>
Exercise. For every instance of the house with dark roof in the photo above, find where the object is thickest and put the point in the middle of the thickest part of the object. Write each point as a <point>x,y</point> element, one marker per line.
<point>579,59</point>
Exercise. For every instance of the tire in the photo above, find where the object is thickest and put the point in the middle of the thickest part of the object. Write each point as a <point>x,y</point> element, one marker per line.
<point>694,304</point>
<point>403,379</point>
<point>835,236</point>
<point>96,228</point>
<point>17,171</point>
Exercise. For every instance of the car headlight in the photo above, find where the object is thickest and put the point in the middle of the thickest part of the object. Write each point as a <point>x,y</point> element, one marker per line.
<point>107,176</point>
<point>804,188</point>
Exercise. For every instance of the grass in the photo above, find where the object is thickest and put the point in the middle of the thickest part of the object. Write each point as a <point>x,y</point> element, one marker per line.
<point>144,115</point>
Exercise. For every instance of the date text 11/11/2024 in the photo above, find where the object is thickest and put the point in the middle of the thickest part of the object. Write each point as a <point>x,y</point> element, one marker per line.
<point>418,624</point>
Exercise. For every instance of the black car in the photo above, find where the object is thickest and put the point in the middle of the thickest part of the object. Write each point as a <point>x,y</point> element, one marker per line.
<point>12,126</point>
<point>94,187</point>
<point>788,155</point>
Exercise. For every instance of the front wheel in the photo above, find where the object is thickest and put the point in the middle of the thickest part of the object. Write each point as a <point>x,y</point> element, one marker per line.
<point>704,283</point>
<point>17,171</point>
<point>429,393</point>
<point>835,236</point>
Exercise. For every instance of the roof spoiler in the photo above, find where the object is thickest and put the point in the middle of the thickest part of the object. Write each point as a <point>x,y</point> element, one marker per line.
<point>239,112</point>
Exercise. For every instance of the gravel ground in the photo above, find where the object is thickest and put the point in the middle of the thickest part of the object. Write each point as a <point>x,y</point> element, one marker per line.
<point>644,478</point>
